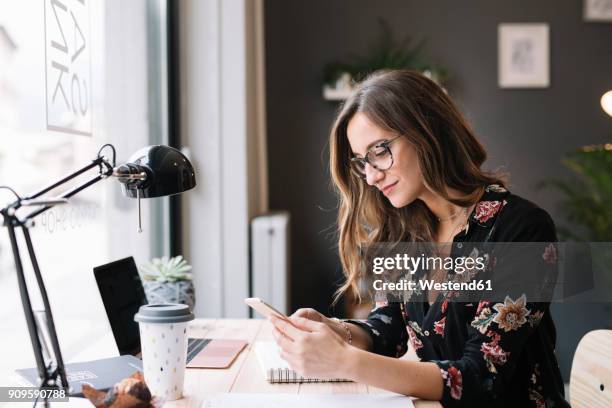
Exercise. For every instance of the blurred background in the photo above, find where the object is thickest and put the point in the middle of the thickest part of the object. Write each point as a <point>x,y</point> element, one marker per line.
<point>248,89</point>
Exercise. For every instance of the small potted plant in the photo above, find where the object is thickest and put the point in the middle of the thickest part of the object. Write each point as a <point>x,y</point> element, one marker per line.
<point>167,280</point>
<point>340,77</point>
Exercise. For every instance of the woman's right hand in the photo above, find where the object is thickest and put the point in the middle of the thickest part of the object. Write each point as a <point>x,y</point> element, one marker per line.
<point>311,314</point>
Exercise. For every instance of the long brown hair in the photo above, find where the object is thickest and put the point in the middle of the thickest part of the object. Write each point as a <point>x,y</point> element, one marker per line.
<point>450,156</point>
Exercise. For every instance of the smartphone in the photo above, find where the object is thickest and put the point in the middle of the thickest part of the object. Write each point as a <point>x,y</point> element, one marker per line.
<point>263,308</point>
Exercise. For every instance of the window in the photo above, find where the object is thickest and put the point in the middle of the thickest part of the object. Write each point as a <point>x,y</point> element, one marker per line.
<point>74,76</point>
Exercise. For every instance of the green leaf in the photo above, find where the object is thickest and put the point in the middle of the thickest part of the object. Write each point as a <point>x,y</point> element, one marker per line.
<point>587,198</point>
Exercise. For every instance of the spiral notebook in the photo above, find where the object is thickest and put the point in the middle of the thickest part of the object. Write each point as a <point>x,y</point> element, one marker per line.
<point>276,370</point>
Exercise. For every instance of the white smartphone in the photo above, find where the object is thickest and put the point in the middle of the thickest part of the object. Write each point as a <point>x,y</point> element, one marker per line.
<point>263,308</point>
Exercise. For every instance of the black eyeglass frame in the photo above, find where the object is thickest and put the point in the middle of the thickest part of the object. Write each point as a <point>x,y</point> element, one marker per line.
<point>366,159</point>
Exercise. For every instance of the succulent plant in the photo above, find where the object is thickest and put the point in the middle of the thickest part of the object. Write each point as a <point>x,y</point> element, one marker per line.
<point>166,269</point>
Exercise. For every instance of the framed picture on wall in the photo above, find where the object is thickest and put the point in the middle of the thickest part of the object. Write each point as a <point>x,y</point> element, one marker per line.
<point>523,55</point>
<point>598,10</point>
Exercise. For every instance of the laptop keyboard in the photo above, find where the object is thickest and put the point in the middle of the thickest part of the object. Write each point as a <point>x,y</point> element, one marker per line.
<point>194,346</point>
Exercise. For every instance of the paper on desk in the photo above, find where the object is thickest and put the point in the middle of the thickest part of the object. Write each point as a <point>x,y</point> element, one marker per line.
<point>239,400</point>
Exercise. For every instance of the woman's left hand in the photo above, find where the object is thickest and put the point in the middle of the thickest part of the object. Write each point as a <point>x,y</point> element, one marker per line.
<point>311,348</point>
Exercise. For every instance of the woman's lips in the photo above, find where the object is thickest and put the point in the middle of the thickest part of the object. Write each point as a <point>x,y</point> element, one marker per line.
<point>385,190</point>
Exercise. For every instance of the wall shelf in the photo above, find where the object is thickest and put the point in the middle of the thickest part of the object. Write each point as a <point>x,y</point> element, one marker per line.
<point>333,94</point>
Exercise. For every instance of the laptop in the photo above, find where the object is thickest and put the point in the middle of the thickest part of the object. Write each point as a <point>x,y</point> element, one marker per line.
<point>122,294</point>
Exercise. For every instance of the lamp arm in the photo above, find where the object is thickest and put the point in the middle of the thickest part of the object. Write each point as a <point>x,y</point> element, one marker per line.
<point>27,306</point>
<point>97,162</point>
<point>48,374</point>
<point>60,369</point>
<point>106,170</point>
<point>67,194</point>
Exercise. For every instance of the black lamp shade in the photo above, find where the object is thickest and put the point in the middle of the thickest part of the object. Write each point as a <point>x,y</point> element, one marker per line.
<point>167,170</point>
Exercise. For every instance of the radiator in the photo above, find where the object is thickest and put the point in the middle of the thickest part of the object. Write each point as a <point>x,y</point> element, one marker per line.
<point>270,259</point>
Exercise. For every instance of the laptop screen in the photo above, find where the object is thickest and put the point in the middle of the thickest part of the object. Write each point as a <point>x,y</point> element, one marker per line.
<point>122,294</point>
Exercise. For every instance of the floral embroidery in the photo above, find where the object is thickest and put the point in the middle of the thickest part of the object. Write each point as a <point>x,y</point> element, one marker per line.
<point>487,209</point>
<point>496,188</point>
<point>511,315</point>
<point>439,326</point>
<point>416,327</point>
<point>481,305</point>
<point>483,320</point>
<point>493,354</point>
<point>535,318</point>
<point>414,340</point>
<point>536,388</point>
<point>537,398</point>
<point>550,254</point>
<point>444,306</point>
<point>454,381</point>
<point>470,272</point>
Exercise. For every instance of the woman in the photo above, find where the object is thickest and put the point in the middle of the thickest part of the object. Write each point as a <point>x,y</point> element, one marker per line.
<point>407,167</point>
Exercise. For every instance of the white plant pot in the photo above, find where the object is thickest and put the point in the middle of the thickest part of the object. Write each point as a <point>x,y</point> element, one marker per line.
<point>170,292</point>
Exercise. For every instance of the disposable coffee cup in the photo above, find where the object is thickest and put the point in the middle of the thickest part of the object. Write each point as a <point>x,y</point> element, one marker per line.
<point>163,343</point>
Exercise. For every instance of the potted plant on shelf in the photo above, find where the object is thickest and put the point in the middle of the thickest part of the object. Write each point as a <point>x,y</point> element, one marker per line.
<point>168,280</point>
<point>387,53</point>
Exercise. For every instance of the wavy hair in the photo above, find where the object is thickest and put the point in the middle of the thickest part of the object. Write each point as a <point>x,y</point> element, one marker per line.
<point>408,104</point>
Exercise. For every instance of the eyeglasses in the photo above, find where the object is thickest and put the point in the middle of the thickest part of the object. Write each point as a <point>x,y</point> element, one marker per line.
<point>378,156</point>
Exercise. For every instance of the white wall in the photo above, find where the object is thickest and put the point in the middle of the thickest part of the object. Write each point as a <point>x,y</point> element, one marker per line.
<point>220,123</point>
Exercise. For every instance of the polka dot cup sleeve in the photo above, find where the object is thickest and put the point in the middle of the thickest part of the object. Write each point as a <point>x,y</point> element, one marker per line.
<point>163,340</point>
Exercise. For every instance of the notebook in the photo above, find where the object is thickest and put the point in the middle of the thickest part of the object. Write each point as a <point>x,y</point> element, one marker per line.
<point>100,374</point>
<point>277,370</point>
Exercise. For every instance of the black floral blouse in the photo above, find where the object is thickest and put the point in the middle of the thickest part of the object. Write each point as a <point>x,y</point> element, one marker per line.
<point>490,354</point>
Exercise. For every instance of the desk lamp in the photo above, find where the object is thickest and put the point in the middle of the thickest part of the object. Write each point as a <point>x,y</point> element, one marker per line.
<point>153,171</point>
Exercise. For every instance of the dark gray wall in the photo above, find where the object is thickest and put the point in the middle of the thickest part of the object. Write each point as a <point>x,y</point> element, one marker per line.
<point>526,131</point>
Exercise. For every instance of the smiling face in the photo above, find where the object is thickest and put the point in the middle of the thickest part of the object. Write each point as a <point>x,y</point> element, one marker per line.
<point>402,183</point>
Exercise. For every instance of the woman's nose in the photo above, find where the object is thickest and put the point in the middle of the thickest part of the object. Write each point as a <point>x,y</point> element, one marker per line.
<point>373,175</point>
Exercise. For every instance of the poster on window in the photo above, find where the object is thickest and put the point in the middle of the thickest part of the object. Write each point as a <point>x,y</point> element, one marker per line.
<point>68,66</point>
<point>523,56</point>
